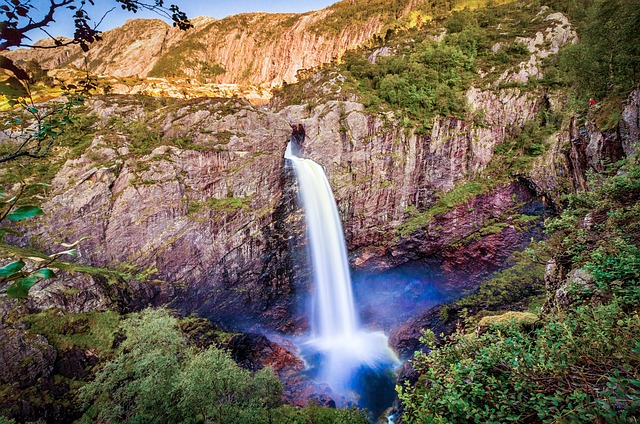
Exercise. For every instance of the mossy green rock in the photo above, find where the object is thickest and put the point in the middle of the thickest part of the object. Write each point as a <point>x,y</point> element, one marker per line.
<point>523,320</point>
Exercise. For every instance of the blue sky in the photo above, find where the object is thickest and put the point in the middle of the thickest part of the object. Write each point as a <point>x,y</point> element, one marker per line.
<point>215,8</point>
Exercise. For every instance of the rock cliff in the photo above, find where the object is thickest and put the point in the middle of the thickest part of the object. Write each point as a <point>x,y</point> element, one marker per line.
<point>253,48</point>
<point>201,220</point>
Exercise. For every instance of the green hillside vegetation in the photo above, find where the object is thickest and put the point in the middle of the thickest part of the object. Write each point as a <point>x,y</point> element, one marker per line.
<point>579,363</point>
<point>427,76</point>
<point>581,360</point>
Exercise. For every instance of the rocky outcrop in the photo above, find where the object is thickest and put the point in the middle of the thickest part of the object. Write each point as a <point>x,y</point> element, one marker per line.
<point>30,391</point>
<point>405,339</point>
<point>25,357</point>
<point>256,351</point>
<point>590,149</point>
<point>128,51</point>
<point>204,224</point>
<point>629,127</point>
<point>542,45</point>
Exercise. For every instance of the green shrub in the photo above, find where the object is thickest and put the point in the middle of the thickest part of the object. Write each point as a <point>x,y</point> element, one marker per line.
<point>157,377</point>
<point>583,368</point>
<point>580,365</point>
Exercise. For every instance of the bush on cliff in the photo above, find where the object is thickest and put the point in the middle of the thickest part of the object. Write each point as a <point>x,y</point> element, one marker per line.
<point>583,368</point>
<point>158,377</point>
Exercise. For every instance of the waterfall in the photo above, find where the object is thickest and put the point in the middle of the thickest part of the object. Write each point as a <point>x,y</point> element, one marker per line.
<point>344,348</point>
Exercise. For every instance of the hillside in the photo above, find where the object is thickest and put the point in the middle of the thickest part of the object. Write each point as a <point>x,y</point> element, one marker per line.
<point>487,189</point>
<point>249,49</point>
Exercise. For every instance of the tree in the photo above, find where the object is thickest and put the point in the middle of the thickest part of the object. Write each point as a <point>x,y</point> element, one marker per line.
<point>606,62</point>
<point>139,384</point>
<point>157,378</point>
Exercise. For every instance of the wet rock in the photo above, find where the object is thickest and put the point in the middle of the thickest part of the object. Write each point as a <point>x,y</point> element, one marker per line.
<point>321,400</point>
<point>75,363</point>
<point>407,374</point>
<point>406,338</point>
<point>256,351</point>
<point>201,332</point>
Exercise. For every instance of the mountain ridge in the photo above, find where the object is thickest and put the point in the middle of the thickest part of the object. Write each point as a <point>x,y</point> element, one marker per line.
<point>259,49</point>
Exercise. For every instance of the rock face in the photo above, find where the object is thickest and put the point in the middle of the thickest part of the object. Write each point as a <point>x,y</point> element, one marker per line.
<point>253,48</point>
<point>378,172</point>
<point>30,391</point>
<point>205,225</point>
<point>591,149</point>
<point>203,205</point>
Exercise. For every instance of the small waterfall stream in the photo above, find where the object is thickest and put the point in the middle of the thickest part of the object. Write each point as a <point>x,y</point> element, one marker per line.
<point>345,351</point>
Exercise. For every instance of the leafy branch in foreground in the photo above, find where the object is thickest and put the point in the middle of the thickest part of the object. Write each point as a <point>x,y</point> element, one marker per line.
<point>20,18</point>
<point>32,129</point>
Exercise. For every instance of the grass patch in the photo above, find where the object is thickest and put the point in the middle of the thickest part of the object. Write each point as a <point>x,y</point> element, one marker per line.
<point>92,330</point>
<point>447,201</point>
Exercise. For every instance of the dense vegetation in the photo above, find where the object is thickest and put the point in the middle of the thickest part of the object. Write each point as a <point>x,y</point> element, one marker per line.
<point>605,64</point>
<point>422,71</point>
<point>156,376</point>
<point>582,362</point>
<point>152,367</point>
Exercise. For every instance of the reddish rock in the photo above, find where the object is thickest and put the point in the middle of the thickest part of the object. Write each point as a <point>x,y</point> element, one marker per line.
<point>256,351</point>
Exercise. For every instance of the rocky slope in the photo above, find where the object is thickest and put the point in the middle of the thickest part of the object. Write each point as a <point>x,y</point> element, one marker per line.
<point>254,48</point>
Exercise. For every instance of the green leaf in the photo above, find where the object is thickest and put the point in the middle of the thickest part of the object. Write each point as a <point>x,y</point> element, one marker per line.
<point>37,184</point>
<point>21,288</point>
<point>71,252</point>
<point>44,273</point>
<point>24,212</point>
<point>12,88</point>
<point>9,200</point>
<point>12,268</point>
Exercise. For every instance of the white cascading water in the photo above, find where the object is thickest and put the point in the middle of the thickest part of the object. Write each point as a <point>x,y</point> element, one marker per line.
<point>343,346</point>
